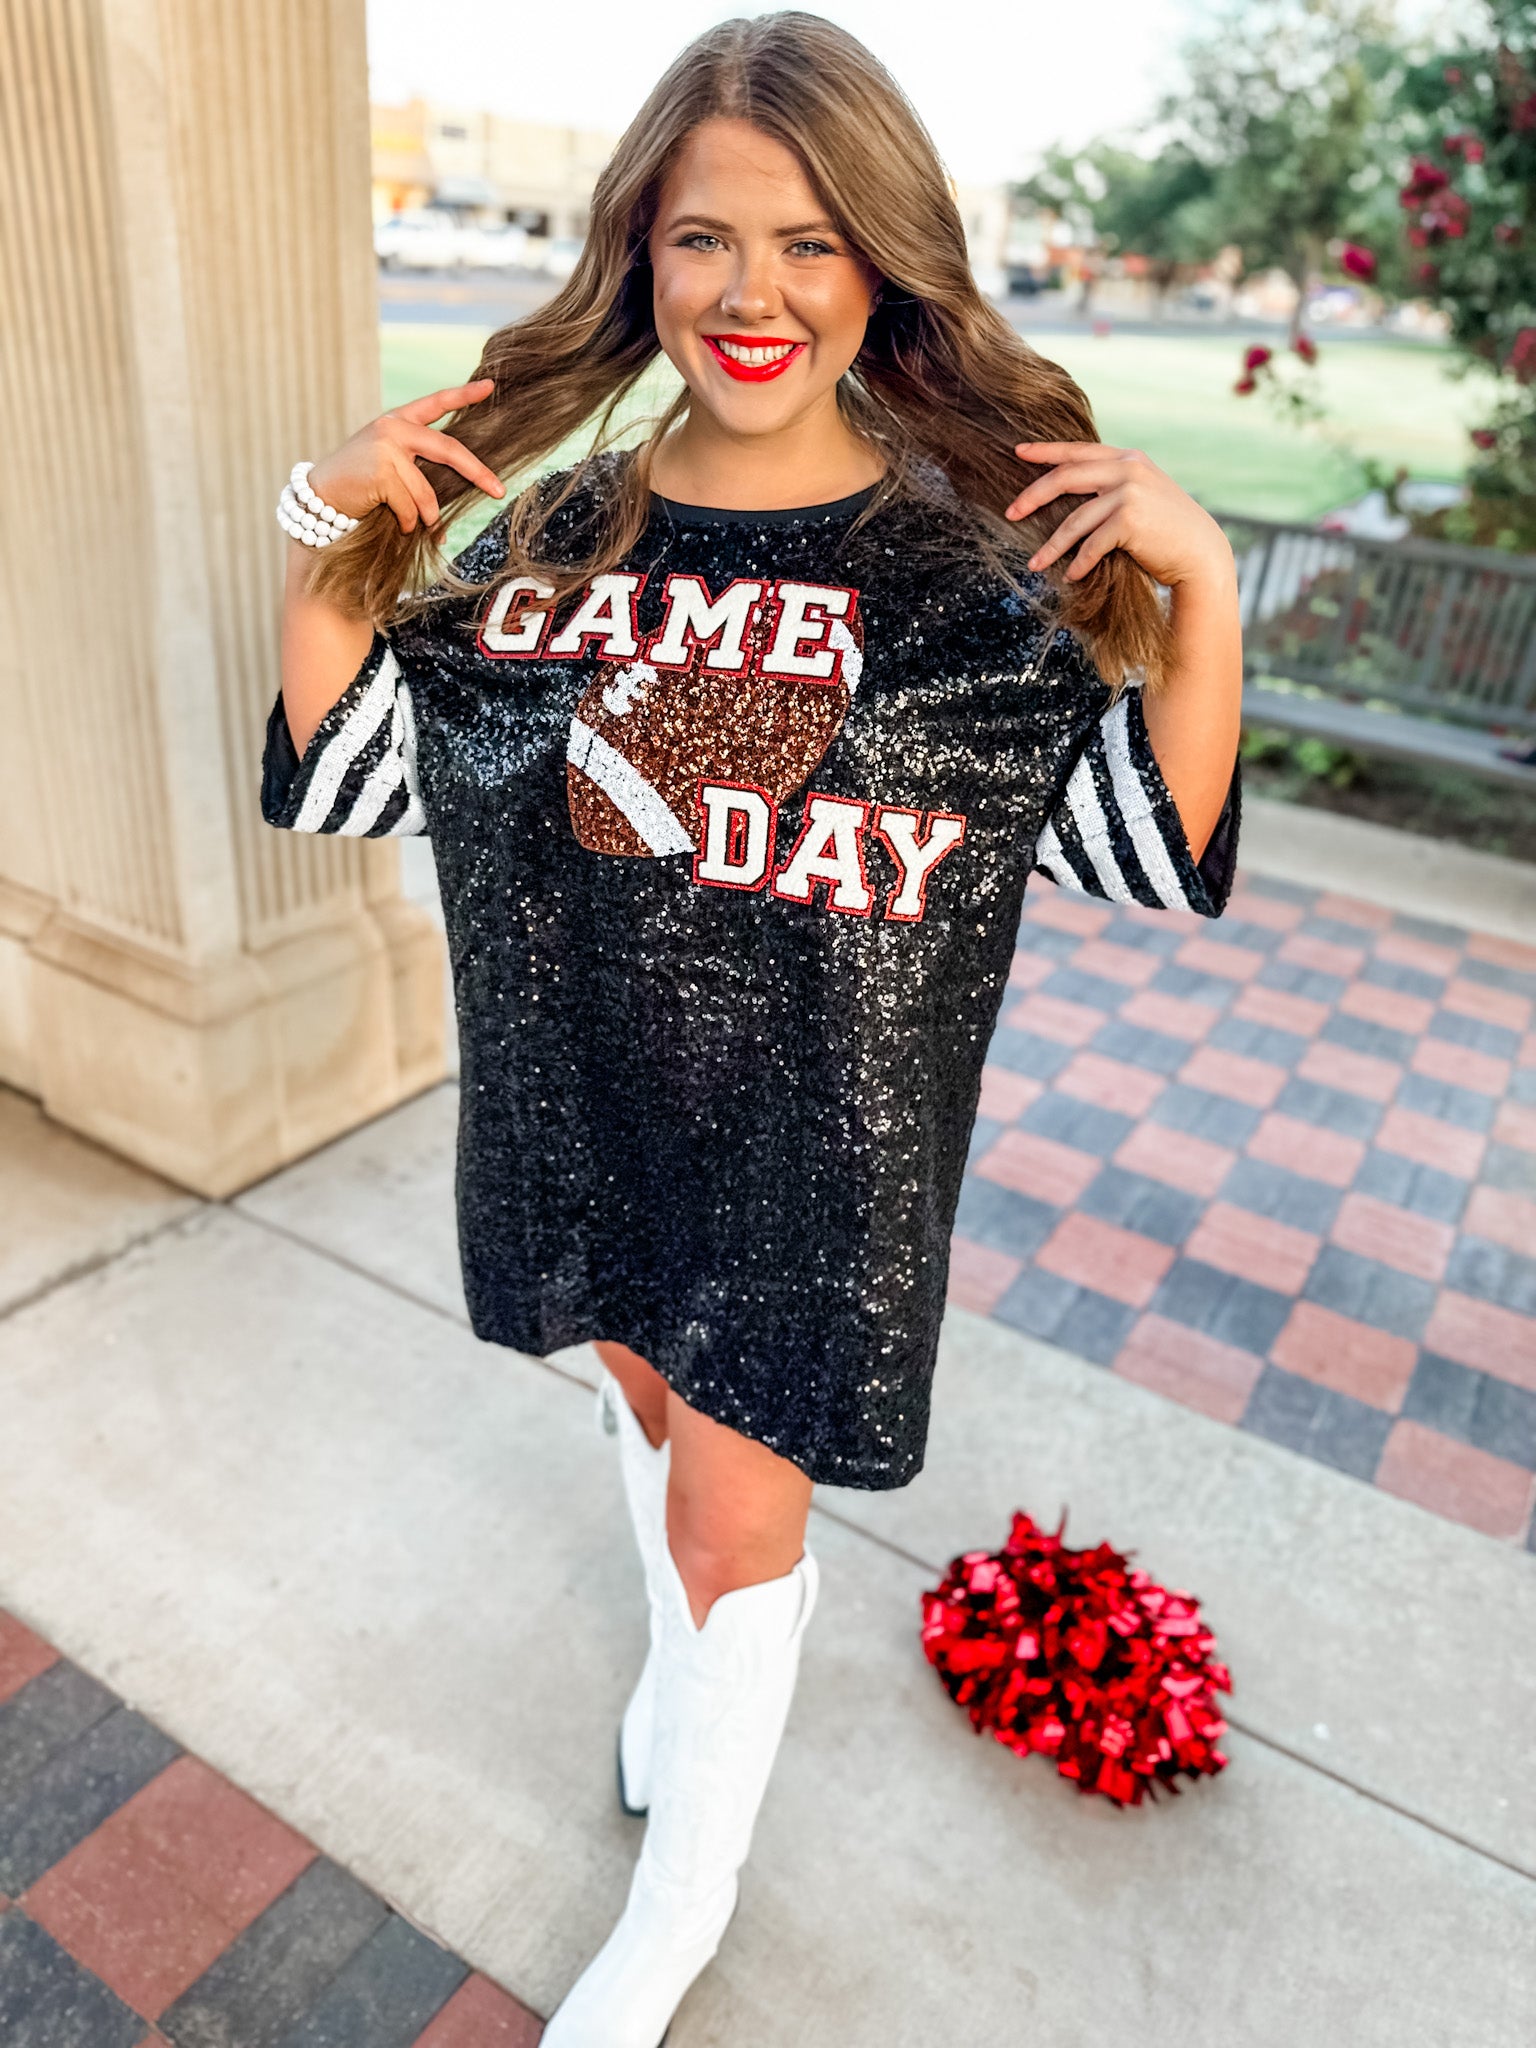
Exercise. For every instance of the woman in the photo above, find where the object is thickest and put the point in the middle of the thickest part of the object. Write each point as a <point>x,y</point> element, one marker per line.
<point>737,751</point>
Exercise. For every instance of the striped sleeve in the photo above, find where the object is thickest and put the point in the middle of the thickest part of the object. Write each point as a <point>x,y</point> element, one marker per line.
<point>358,774</point>
<point>1116,832</point>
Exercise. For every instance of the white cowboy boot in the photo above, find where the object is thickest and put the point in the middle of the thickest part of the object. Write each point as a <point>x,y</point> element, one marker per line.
<point>723,1692</point>
<point>645,1470</point>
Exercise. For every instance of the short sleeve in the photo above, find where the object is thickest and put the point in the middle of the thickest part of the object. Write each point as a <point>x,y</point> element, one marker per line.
<point>357,776</point>
<point>1116,831</point>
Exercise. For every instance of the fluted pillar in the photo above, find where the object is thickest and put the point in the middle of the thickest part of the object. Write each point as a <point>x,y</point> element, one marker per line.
<point>186,307</point>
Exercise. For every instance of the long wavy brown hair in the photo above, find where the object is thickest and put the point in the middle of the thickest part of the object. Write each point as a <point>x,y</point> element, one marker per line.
<point>942,386</point>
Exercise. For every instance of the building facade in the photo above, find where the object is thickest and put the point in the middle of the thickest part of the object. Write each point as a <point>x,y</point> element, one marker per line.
<point>487,168</point>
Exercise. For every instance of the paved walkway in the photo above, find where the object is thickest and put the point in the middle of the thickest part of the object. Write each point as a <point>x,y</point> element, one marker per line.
<point>1280,1166</point>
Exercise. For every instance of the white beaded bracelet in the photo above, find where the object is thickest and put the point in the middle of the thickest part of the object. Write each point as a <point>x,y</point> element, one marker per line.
<point>304,515</point>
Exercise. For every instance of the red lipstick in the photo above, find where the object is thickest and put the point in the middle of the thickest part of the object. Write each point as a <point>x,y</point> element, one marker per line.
<point>754,373</point>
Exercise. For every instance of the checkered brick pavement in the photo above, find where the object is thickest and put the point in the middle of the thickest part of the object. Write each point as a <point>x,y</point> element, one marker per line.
<point>1280,1166</point>
<point>146,1901</point>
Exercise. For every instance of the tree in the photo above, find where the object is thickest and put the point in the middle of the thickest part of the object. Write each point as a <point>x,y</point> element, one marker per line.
<point>1155,206</point>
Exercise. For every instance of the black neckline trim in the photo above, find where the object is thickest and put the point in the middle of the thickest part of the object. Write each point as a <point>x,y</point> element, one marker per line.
<point>722,515</point>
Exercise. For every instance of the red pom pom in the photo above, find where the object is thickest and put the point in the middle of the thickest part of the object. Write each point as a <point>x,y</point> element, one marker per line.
<point>1074,1655</point>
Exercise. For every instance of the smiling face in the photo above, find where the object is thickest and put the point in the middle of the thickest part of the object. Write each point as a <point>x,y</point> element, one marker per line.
<point>760,302</point>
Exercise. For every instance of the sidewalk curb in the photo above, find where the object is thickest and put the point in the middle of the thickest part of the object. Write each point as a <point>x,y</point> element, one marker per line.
<point>1402,871</point>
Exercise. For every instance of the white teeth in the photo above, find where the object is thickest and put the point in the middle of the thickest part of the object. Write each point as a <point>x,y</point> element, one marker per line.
<point>754,356</point>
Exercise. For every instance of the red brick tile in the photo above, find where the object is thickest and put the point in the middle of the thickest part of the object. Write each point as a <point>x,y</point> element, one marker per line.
<point>1120,1263</point>
<point>1496,1340</point>
<point>1117,963</point>
<point>1515,1124</point>
<point>1357,1073</point>
<point>1273,1006</point>
<point>1405,951</point>
<point>1176,1158</point>
<point>167,1882</point>
<point>1055,1018</point>
<point>1041,1167</point>
<point>1328,1156</point>
<point>1189,1367</point>
<point>1461,1066</point>
<point>1502,953</point>
<point>1396,1237</point>
<point>1153,1011</point>
<point>22,1655</point>
<point>1063,911</point>
<point>1254,1247</point>
<point>1452,1479</point>
<point>1349,1356</point>
<point>1431,1141</point>
<point>978,1276</point>
<point>1006,1095</point>
<point>1091,1077</point>
<point>1233,1074</point>
<point>1249,908</point>
<point>481,2015</point>
<point>1322,955</point>
<point>1162,920</point>
<point>1503,1216</point>
<point>1387,1006</point>
<point>1226,963</point>
<point>1488,1005</point>
<point>1350,910</point>
<point>1028,970</point>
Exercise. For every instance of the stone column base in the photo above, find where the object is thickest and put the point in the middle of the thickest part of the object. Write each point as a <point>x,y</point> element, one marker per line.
<point>217,1078</point>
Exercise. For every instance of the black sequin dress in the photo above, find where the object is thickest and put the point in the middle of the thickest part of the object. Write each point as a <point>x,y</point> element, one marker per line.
<point>732,847</point>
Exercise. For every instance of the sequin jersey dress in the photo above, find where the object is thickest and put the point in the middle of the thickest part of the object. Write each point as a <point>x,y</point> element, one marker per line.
<point>732,846</point>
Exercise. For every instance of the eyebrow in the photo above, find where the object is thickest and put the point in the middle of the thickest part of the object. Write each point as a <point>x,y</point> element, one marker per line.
<point>704,220</point>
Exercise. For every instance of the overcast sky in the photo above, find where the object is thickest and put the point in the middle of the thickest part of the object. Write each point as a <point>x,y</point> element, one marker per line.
<point>994,79</point>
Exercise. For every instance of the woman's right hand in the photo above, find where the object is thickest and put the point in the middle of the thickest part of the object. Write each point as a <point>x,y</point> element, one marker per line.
<point>378,465</point>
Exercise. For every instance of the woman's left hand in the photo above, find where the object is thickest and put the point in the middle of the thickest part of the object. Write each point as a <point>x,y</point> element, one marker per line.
<point>1132,504</point>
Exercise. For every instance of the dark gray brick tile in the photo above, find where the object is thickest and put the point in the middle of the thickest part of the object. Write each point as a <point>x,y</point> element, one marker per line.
<point>288,1957</point>
<point>1022,1053</point>
<point>1205,1115</point>
<point>1510,1166</point>
<point>1522,1085</point>
<point>1047,942</point>
<point>1283,1196</point>
<point>1463,1107</point>
<point>1223,1306</point>
<point>48,2000</point>
<point>1257,1041</point>
<point>1408,981</point>
<point>1472,1032</point>
<point>64,1799</point>
<point>1370,1292</point>
<point>1423,1189</point>
<point>49,1711</point>
<point>1317,1421</point>
<point>1094,1327</point>
<point>1239,931</point>
<point>384,1996</point>
<point>1352,1116</point>
<point>1162,938</point>
<point>1191,987</point>
<point>1071,985</point>
<point>984,1132</point>
<point>1494,1273</point>
<point>1335,932</point>
<point>1511,978</point>
<point>1477,1407</point>
<point>1295,980</point>
<point>1361,1035</point>
<point>999,1217</point>
<point>1281,892</point>
<point>1143,1205</point>
<point>1154,1050</point>
<point>1073,1122</point>
<point>1433,934</point>
<point>1037,1303</point>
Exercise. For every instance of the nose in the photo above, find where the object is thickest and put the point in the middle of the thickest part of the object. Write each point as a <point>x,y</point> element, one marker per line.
<point>752,293</point>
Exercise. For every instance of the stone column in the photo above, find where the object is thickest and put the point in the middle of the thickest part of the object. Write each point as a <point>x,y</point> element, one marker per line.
<point>186,308</point>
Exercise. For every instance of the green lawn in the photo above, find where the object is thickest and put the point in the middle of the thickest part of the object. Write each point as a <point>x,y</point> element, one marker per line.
<point>1173,397</point>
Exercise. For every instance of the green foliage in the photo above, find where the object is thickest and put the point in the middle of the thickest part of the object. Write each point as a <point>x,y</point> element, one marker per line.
<point>1153,206</point>
<point>1309,760</point>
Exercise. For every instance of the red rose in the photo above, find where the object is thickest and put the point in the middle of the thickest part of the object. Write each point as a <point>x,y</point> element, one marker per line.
<point>1357,262</point>
<point>1484,437</point>
<point>1507,232</point>
<point>1418,238</point>
<point>1424,181</point>
<point>1451,75</point>
<point>1427,274</point>
<point>1244,385</point>
<point>1306,348</point>
<point>1521,362</point>
<point>1256,357</point>
<point>1471,149</point>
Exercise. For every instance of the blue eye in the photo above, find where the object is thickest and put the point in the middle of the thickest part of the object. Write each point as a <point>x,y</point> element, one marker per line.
<point>815,248</point>
<point>693,241</point>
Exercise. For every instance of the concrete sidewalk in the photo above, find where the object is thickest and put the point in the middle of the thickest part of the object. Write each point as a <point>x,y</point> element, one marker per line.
<point>257,1476</point>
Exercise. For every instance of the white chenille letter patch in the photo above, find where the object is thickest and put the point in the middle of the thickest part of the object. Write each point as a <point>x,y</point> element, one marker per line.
<point>736,843</point>
<point>917,842</point>
<point>830,849</point>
